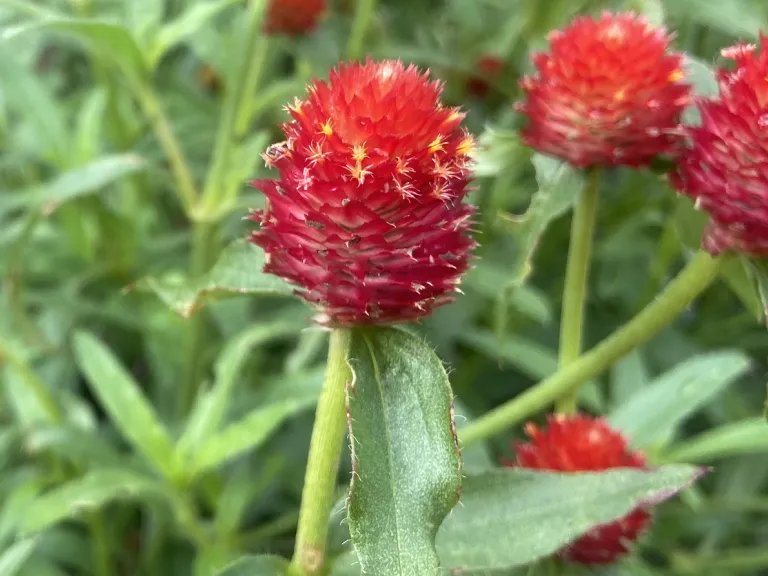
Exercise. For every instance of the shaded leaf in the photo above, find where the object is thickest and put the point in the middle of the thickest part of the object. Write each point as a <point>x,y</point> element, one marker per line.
<point>123,400</point>
<point>759,268</point>
<point>88,493</point>
<point>559,188</point>
<point>244,435</point>
<point>14,557</point>
<point>211,407</point>
<point>745,437</point>
<point>256,566</point>
<point>25,92</point>
<point>185,25</point>
<point>496,149</point>
<point>733,17</point>
<point>105,38</point>
<point>405,455</point>
<point>652,415</point>
<point>737,273</point>
<point>74,445</point>
<point>540,512</point>
<point>237,272</point>
<point>76,183</point>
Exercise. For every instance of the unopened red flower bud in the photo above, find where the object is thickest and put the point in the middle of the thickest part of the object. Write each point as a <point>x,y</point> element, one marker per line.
<point>608,92</point>
<point>725,168</point>
<point>582,443</point>
<point>367,217</point>
<point>489,68</point>
<point>293,17</point>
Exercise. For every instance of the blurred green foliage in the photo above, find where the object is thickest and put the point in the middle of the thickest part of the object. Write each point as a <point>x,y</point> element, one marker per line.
<point>128,131</point>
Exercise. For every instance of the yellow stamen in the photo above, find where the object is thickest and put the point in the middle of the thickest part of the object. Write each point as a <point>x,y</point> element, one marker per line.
<point>467,146</point>
<point>326,128</point>
<point>358,152</point>
<point>437,144</point>
<point>676,76</point>
<point>619,95</point>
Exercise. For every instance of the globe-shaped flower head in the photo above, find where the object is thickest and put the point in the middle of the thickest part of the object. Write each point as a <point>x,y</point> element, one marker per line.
<point>581,443</point>
<point>607,93</point>
<point>725,169</point>
<point>293,17</point>
<point>367,217</point>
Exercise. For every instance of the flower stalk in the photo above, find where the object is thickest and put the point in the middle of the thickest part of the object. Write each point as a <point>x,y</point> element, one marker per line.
<point>317,498</point>
<point>576,281</point>
<point>699,273</point>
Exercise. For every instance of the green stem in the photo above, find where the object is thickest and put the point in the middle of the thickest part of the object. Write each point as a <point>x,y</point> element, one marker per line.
<point>155,113</point>
<point>101,559</point>
<point>276,527</point>
<point>576,279</point>
<point>676,297</point>
<point>246,74</point>
<point>204,249</point>
<point>364,12</point>
<point>251,85</point>
<point>317,498</point>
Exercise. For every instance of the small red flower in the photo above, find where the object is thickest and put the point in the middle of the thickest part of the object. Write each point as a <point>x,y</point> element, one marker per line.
<point>582,443</point>
<point>489,67</point>
<point>367,215</point>
<point>293,17</point>
<point>725,169</point>
<point>607,93</point>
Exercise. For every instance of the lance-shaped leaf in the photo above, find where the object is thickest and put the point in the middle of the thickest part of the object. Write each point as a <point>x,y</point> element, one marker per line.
<point>238,272</point>
<point>406,465</point>
<point>256,566</point>
<point>512,517</point>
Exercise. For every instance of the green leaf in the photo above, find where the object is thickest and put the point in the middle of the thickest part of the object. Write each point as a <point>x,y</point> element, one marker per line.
<point>76,183</point>
<point>559,188</point>
<point>28,394</point>
<point>496,149</point>
<point>702,78</point>
<point>244,435</point>
<point>652,415</point>
<point>104,38</point>
<point>238,271</point>
<point>759,269</point>
<point>406,466</point>
<point>14,558</point>
<point>736,18</point>
<point>24,92</point>
<point>651,9</point>
<point>211,407</point>
<point>184,26</point>
<point>256,566</point>
<point>745,437</point>
<point>85,494</point>
<point>127,407</point>
<point>74,445</point>
<point>537,513</point>
<point>738,275</point>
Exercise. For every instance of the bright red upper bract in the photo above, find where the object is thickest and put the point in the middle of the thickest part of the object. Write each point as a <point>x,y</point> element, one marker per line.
<point>725,169</point>
<point>367,217</point>
<point>582,443</point>
<point>608,92</point>
<point>293,17</point>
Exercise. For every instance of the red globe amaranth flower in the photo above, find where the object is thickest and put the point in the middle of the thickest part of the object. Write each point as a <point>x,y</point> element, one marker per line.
<point>293,17</point>
<point>607,93</point>
<point>725,168</point>
<point>582,443</point>
<point>367,215</point>
<point>489,67</point>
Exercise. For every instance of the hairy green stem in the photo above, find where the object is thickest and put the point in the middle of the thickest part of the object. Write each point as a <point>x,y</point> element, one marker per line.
<point>364,12</point>
<point>318,496</point>
<point>245,111</point>
<point>576,280</point>
<point>700,272</point>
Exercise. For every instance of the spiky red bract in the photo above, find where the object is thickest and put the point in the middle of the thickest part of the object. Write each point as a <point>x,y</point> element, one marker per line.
<point>367,217</point>
<point>725,168</point>
<point>293,17</point>
<point>582,443</point>
<point>490,67</point>
<point>608,92</point>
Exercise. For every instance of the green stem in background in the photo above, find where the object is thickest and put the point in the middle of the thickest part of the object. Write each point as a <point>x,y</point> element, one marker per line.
<point>101,555</point>
<point>576,281</point>
<point>364,12</point>
<point>205,245</point>
<point>246,76</point>
<point>676,297</point>
<point>185,183</point>
<point>250,86</point>
<point>318,496</point>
